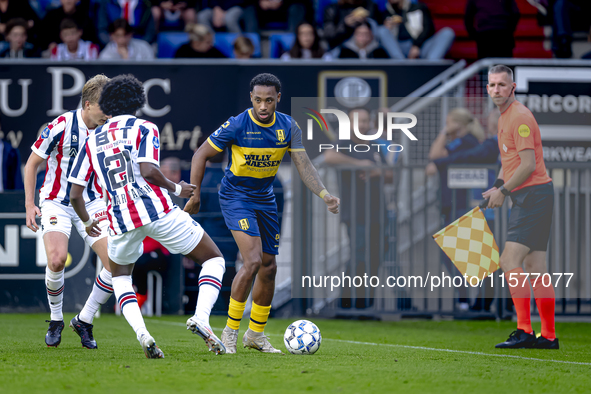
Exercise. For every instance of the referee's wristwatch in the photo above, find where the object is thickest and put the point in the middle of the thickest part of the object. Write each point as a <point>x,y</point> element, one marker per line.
<point>504,191</point>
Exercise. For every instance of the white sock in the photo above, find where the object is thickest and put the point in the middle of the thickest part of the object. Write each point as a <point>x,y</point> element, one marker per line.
<point>54,283</point>
<point>210,284</point>
<point>128,304</point>
<point>101,291</point>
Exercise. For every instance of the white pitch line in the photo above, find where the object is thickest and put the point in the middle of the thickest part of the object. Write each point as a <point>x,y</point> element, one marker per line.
<point>413,347</point>
<point>457,351</point>
<point>174,323</point>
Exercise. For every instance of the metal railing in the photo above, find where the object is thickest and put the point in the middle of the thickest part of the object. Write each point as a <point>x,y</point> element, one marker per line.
<point>329,245</point>
<point>323,244</point>
<point>465,89</point>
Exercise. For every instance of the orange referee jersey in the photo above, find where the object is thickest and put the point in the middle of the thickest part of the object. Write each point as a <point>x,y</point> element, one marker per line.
<point>518,130</point>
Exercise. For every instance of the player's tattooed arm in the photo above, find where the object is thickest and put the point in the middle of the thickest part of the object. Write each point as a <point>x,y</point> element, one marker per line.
<point>312,180</point>
<point>307,172</point>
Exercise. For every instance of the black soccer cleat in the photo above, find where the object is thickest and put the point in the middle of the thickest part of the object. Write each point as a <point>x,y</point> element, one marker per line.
<point>54,332</point>
<point>84,331</point>
<point>518,339</point>
<point>543,343</point>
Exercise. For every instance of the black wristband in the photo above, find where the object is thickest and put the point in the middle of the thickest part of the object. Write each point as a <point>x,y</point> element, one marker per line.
<point>505,192</point>
<point>498,183</point>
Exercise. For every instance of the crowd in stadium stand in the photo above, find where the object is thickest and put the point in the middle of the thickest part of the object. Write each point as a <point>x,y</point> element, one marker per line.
<point>10,165</point>
<point>307,29</point>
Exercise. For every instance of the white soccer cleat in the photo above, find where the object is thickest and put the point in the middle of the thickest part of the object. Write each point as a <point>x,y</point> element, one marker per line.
<point>150,348</point>
<point>261,344</point>
<point>211,340</point>
<point>229,339</point>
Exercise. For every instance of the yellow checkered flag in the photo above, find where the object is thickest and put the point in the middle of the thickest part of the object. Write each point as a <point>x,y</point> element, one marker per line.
<point>470,245</point>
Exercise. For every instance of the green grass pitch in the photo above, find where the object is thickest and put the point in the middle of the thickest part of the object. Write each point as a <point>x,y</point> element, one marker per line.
<point>355,357</point>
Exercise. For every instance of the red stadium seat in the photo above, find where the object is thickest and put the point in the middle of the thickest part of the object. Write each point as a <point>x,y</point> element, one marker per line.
<point>529,36</point>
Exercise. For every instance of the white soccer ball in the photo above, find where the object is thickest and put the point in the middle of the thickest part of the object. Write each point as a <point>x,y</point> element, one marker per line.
<point>302,337</point>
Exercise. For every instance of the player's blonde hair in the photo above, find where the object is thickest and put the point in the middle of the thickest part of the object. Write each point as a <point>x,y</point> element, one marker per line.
<point>466,119</point>
<point>92,89</point>
<point>198,32</point>
<point>244,45</point>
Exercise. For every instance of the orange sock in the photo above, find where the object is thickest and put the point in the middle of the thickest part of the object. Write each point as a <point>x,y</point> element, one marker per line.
<point>521,298</point>
<point>546,302</point>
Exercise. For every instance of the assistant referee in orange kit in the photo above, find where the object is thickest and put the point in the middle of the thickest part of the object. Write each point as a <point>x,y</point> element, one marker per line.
<point>523,177</point>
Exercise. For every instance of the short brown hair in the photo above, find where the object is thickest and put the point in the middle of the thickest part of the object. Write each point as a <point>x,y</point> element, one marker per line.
<point>69,23</point>
<point>14,22</point>
<point>92,89</point>
<point>120,24</point>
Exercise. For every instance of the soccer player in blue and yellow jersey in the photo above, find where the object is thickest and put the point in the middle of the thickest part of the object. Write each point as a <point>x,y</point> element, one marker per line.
<point>257,139</point>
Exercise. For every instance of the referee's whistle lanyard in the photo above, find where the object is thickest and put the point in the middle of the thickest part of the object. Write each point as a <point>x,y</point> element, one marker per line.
<point>509,98</point>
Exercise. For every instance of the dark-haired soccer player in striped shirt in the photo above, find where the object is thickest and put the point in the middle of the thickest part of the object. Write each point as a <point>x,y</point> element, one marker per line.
<point>125,154</point>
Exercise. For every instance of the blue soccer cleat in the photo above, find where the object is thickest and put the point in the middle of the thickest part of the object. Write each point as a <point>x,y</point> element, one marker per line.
<point>54,333</point>
<point>84,331</point>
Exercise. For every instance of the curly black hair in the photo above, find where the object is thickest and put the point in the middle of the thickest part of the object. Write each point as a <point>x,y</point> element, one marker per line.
<point>122,95</point>
<point>265,79</point>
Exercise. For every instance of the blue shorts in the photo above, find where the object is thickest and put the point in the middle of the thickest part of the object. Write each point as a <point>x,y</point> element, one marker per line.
<point>256,222</point>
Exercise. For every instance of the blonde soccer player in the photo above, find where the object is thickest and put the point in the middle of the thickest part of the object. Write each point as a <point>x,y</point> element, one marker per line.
<point>59,143</point>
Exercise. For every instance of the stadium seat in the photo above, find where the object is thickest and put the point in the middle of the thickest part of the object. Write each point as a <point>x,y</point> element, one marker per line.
<point>169,42</point>
<point>275,26</point>
<point>529,36</point>
<point>381,4</point>
<point>42,6</point>
<point>322,4</point>
<point>225,43</point>
<point>279,43</point>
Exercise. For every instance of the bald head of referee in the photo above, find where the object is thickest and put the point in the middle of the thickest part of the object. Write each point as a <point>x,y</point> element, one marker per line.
<point>524,179</point>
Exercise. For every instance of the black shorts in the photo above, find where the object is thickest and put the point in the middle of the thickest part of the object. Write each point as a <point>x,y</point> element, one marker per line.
<point>531,216</point>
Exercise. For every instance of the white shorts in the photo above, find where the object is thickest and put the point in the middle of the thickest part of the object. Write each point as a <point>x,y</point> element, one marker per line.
<point>176,231</point>
<point>58,217</point>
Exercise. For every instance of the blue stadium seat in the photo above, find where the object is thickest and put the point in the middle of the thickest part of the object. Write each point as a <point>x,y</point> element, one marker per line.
<point>381,4</point>
<point>169,42</point>
<point>42,6</point>
<point>225,43</point>
<point>275,26</point>
<point>279,43</point>
<point>322,4</point>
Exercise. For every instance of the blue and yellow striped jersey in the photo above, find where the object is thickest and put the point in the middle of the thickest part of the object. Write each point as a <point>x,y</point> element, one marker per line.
<point>256,150</point>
